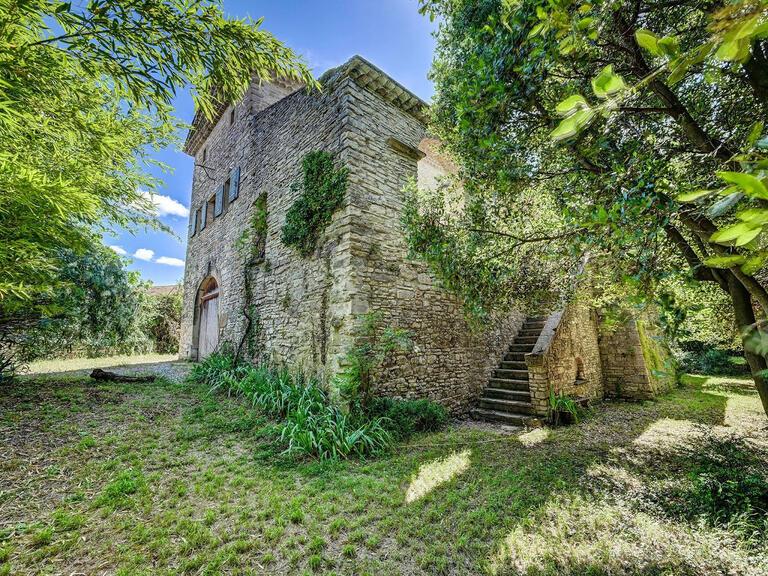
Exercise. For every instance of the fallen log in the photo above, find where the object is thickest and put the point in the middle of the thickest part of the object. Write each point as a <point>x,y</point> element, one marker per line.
<point>99,374</point>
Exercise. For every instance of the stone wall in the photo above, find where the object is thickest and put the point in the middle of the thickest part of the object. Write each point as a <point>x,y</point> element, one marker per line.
<point>309,308</point>
<point>566,357</point>
<point>302,303</point>
<point>636,364</point>
<point>451,362</point>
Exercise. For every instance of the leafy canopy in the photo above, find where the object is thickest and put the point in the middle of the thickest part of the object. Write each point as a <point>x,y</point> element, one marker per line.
<point>621,113</point>
<point>85,94</point>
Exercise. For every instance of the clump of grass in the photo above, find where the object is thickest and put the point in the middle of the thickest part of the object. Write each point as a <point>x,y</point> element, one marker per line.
<point>120,491</point>
<point>310,424</point>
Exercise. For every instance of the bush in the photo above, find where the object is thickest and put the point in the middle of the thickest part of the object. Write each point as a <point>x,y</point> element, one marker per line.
<point>715,362</point>
<point>403,418</point>
<point>310,424</point>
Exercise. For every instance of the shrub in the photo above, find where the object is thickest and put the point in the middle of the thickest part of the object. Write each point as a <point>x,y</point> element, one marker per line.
<point>715,362</point>
<point>403,418</point>
<point>310,424</point>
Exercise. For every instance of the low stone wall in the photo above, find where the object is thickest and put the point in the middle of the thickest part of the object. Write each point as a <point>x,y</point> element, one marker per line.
<point>636,364</point>
<point>566,358</point>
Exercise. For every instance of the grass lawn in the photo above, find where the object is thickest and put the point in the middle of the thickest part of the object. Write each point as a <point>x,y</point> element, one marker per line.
<point>165,479</point>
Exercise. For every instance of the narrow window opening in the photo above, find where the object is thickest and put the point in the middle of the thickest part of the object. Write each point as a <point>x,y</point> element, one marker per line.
<point>232,116</point>
<point>210,209</point>
<point>205,153</point>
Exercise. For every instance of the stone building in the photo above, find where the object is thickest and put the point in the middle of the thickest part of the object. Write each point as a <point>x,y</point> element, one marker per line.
<point>307,309</point>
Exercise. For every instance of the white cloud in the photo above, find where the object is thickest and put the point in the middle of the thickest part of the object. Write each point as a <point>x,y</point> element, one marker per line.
<point>144,254</point>
<point>165,205</point>
<point>118,250</point>
<point>170,261</point>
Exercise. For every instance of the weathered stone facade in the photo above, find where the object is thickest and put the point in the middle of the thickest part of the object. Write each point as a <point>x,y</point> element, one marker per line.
<point>580,355</point>
<point>308,308</point>
<point>636,364</point>
<point>566,358</point>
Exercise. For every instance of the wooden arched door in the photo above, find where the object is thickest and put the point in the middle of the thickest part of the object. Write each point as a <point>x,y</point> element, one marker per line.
<point>209,319</point>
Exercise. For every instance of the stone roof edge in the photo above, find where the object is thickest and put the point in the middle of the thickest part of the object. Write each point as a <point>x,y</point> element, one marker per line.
<point>357,68</point>
<point>369,76</point>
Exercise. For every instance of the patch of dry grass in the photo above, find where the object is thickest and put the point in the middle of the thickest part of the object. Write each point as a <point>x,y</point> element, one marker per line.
<point>163,479</point>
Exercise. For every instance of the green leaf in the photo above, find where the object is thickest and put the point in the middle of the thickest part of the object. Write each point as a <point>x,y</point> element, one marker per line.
<point>754,133</point>
<point>749,184</point>
<point>649,41</point>
<point>572,125</point>
<point>734,50</point>
<point>753,264</point>
<point>756,216</point>
<point>607,83</point>
<point>725,261</point>
<point>747,237</point>
<point>569,104</point>
<point>731,233</point>
<point>722,206</point>
<point>669,46</point>
<point>691,196</point>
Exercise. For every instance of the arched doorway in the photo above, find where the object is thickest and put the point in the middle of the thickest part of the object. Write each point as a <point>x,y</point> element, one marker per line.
<point>208,336</point>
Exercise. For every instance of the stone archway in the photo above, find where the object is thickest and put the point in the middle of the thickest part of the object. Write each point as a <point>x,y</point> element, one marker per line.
<point>208,324</point>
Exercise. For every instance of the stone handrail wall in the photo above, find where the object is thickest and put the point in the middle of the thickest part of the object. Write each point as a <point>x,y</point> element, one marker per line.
<point>566,357</point>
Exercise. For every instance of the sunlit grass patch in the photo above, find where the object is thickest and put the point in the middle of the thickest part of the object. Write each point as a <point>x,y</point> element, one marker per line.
<point>535,436</point>
<point>66,365</point>
<point>572,535</point>
<point>435,473</point>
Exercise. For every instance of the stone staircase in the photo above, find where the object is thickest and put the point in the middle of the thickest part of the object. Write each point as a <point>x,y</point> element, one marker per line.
<point>507,399</point>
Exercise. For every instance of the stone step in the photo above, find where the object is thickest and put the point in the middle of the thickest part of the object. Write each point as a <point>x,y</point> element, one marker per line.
<point>512,374</point>
<point>533,326</point>
<point>514,357</point>
<point>526,339</point>
<point>516,365</point>
<point>521,348</point>
<point>514,406</point>
<point>505,394</point>
<point>529,332</point>
<point>536,318</point>
<point>501,417</point>
<point>509,384</point>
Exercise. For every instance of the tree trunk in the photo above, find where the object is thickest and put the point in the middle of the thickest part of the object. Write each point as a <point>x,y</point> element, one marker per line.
<point>757,71</point>
<point>745,320</point>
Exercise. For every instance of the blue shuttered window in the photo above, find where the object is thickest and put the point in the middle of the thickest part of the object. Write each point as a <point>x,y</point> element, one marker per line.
<point>234,184</point>
<point>219,202</point>
<point>204,216</point>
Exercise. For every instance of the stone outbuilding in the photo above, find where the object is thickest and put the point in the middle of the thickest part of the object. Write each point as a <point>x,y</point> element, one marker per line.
<point>305,311</point>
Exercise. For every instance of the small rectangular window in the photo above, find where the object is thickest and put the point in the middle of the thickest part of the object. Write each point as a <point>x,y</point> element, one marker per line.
<point>204,216</point>
<point>192,224</point>
<point>205,153</point>
<point>234,184</point>
<point>210,206</point>
<point>232,116</point>
<point>218,202</point>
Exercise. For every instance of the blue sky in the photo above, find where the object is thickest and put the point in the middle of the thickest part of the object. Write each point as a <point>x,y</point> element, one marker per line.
<point>389,33</point>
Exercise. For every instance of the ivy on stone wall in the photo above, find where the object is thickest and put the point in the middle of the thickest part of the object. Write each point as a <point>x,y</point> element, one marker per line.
<point>322,191</point>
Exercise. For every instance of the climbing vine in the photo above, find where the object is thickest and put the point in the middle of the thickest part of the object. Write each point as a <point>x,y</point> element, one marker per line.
<point>251,245</point>
<point>322,189</point>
